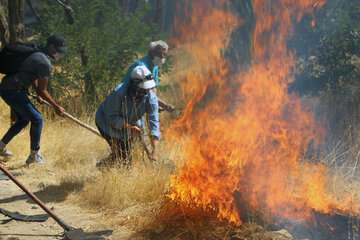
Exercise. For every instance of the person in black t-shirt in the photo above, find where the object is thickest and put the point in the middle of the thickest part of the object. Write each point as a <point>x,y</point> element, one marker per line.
<point>34,71</point>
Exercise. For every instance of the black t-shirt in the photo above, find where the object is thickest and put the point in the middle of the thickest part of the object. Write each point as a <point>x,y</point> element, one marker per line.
<point>36,66</point>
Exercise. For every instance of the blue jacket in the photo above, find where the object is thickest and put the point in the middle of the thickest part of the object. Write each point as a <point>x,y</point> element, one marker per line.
<point>119,108</point>
<point>154,69</point>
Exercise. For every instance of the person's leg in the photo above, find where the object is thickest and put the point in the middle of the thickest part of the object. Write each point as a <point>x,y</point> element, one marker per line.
<point>35,134</point>
<point>104,135</point>
<point>3,151</point>
<point>13,116</point>
<point>26,112</point>
<point>11,99</point>
<point>22,105</point>
<point>124,147</point>
<point>110,160</point>
<point>121,151</point>
<point>15,129</point>
<point>36,127</point>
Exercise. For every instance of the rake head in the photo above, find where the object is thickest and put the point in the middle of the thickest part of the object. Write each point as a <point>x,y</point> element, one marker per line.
<point>79,234</point>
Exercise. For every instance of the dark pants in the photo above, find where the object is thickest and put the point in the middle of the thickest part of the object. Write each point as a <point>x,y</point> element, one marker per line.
<point>120,149</point>
<point>25,112</point>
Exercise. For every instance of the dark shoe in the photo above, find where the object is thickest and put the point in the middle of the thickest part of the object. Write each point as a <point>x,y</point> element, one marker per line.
<point>35,157</point>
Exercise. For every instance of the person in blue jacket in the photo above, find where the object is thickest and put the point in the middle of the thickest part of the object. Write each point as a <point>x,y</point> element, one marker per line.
<point>119,115</point>
<point>155,58</point>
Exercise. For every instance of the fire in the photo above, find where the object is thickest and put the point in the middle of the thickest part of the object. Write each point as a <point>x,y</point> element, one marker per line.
<point>243,133</point>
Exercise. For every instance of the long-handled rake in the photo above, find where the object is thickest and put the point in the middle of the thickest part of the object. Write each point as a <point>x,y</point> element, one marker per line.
<point>70,233</point>
<point>72,118</point>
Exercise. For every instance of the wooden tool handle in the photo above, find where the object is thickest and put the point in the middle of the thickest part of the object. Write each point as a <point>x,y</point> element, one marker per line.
<point>37,200</point>
<point>74,119</point>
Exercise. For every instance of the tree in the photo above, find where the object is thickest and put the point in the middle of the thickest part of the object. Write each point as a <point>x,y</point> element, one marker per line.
<point>16,20</point>
<point>327,51</point>
<point>102,43</point>
<point>11,21</point>
<point>329,65</point>
<point>4,32</point>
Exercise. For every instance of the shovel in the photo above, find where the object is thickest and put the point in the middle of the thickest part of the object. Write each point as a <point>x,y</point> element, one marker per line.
<point>70,233</point>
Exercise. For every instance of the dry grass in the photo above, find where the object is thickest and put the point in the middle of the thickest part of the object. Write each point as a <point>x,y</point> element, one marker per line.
<point>342,160</point>
<point>70,173</point>
<point>118,189</point>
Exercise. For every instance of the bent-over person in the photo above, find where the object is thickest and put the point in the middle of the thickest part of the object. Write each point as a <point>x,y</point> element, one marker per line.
<point>118,118</point>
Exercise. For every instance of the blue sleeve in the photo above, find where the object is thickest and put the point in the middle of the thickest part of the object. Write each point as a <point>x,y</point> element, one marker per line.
<point>153,111</point>
<point>156,75</point>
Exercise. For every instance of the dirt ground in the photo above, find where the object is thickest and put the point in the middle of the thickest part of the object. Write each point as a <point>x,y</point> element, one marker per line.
<point>13,199</point>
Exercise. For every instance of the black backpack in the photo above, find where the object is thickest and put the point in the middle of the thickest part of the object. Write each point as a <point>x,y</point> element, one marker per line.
<point>13,55</point>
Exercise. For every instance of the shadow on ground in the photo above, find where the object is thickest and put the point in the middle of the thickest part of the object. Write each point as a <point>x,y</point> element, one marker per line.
<point>80,235</point>
<point>15,235</point>
<point>51,193</point>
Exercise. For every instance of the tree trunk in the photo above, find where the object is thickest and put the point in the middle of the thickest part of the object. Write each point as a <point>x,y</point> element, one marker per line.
<point>89,91</point>
<point>16,29</point>
<point>128,6</point>
<point>16,20</point>
<point>4,33</point>
<point>158,12</point>
<point>125,5</point>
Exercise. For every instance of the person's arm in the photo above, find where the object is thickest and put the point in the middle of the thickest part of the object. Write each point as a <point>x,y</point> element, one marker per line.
<point>41,89</point>
<point>135,128</point>
<point>119,123</point>
<point>166,106</point>
<point>154,123</point>
<point>154,144</point>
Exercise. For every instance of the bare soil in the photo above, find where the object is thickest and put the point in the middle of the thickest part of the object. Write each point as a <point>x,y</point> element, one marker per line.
<point>13,199</point>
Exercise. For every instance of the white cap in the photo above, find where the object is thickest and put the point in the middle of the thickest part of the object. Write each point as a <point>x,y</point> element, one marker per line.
<point>159,43</point>
<point>143,73</point>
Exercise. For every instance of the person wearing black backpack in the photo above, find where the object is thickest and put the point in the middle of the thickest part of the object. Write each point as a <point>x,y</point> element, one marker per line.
<point>25,66</point>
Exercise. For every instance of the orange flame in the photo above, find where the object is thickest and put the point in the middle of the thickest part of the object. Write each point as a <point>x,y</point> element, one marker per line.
<point>244,133</point>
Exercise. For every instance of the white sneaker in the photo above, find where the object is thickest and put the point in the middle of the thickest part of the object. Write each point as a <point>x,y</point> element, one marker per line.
<point>35,157</point>
<point>5,153</point>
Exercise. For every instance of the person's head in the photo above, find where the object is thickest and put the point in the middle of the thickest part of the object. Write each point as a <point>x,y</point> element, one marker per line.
<point>141,81</point>
<point>56,47</point>
<point>158,51</point>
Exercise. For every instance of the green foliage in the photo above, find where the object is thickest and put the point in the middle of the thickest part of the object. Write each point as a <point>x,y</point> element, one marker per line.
<point>102,42</point>
<point>332,63</point>
<point>329,66</point>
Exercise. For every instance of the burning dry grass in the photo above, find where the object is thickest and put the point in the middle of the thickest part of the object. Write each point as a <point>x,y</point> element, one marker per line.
<point>213,230</point>
<point>179,222</point>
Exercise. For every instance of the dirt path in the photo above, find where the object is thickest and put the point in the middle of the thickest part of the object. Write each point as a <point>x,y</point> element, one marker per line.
<point>13,199</point>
